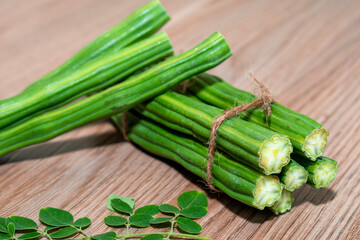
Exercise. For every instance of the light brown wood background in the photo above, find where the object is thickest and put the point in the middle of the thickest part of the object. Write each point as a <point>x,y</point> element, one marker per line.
<point>307,52</point>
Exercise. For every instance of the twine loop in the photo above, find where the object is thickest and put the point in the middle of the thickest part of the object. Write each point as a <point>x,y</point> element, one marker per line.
<point>265,100</point>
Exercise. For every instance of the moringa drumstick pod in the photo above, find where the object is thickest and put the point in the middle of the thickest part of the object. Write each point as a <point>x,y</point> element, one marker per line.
<point>118,61</point>
<point>97,74</point>
<point>235,179</point>
<point>284,203</point>
<point>321,172</point>
<point>307,136</point>
<point>253,145</point>
<point>140,24</point>
<point>293,176</point>
<point>118,98</point>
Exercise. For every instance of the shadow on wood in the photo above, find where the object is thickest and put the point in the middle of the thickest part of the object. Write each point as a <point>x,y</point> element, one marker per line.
<point>48,149</point>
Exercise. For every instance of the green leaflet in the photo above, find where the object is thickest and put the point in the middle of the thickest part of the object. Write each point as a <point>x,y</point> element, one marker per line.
<point>56,217</point>
<point>30,235</point>
<point>149,210</point>
<point>64,232</point>
<point>153,237</point>
<point>22,223</point>
<point>3,227</point>
<point>121,206</point>
<point>105,236</point>
<point>5,236</point>
<point>167,208</point>
<point>192,198</point>
<point>82,222</point>
<point>115,221</point>
<point>194,212</point>
<point>160,220</point>
<point>188,225</point>
<point>11,228</point>
<point>140,220</point>
<point>130,201</point>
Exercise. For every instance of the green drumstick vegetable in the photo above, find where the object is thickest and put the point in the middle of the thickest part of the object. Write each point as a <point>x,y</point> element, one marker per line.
<point>233,178</point>
<point>95,75</point>
<point>284,203</point>
<point>253,145</point>
<point>116,99</point>
<point>321,172</point>
<point>65,83</point>
<point>293,176</point>
<point>307,136</point>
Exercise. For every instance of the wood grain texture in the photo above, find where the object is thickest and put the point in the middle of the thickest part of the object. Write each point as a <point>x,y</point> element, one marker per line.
<point>307,52</point>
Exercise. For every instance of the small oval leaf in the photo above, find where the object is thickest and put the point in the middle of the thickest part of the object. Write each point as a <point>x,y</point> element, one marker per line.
<point>64,232</point>
<point>140,220</point>
<point>5,236</point>
<point>11,228</point>
<point>192,199</point>
<point>115,221</point>
<point>160,220</point>
<point>149,209</point>
<point>188,225</point>
<point>3,227</point>
<point>105,236</point>
<point>56,217</point>
<point>121,206</point>
<point>22,223</point>
<point>194,212</point>
<point>30,235</point>
<point>130,201</point>
<point>153,237</point>
<point>167,208</point>
<point>82,222</point>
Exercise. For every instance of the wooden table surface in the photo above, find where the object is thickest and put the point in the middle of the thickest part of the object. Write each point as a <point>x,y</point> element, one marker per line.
<point>307,52</point>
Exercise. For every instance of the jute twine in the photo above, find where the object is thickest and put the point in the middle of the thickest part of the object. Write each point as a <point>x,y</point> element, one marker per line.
<point>264,101</point>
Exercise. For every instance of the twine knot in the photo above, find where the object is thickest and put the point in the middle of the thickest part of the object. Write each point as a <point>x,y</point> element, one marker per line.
<point>264,101</point>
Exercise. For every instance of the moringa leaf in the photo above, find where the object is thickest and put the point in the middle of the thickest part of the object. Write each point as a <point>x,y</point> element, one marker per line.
<point>11,228</point>
<point>5,236</point>
<point>121,206</point>
<point>167,208</point>
<point>56,217</point>
<point>3,227</point>
<point>149,209</point>
<point>105,236</point>
<point>140,220</point>
<point>82,222</point>
<point>153,237</point>
<point>188,225</point>
<point>30,235</point>
<point>130,201</point>
<point>160,220</point>
<point>192,198</point>
<point>64,232</point>
<point>115,221</point>
<point>22,223</point>
<point>194,212</point>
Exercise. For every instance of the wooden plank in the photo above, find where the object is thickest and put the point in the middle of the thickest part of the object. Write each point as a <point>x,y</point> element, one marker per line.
<point>307,52</point>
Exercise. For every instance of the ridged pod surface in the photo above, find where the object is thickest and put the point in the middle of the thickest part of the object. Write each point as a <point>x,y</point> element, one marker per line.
<point>307,136</point>
<point>251,144</point>
<point>118,98</point>
<point>97,74</point>
<point>235,179</point>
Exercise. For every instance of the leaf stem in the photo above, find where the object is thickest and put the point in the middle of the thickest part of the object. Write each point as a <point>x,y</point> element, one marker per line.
<point>87,236</point>
<point>183,235</point>
<point>44,233</point>
<point>173,221</point>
